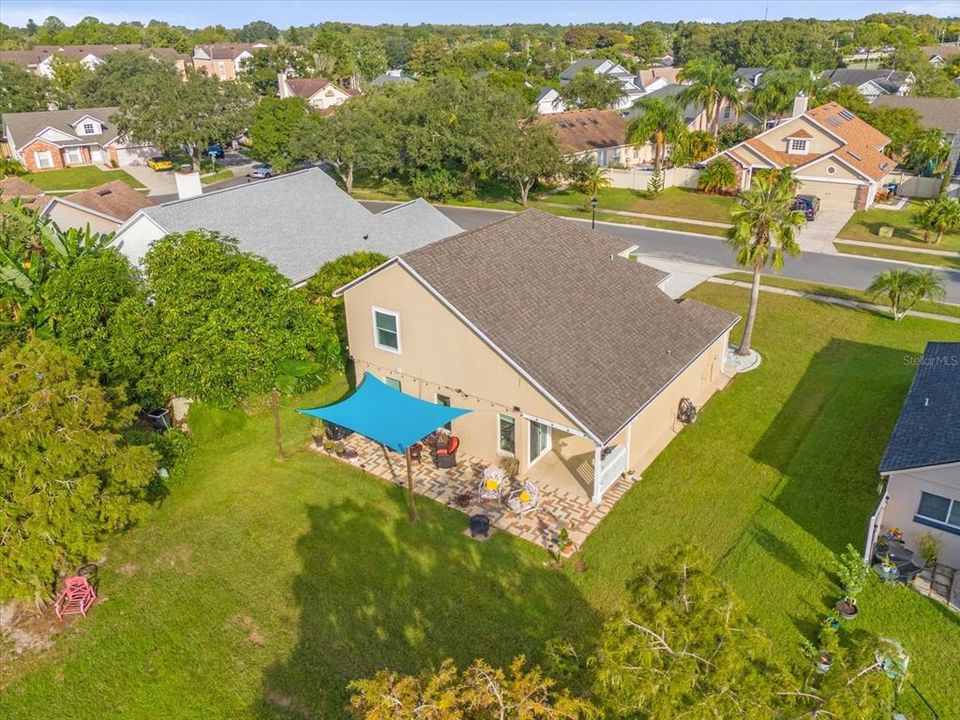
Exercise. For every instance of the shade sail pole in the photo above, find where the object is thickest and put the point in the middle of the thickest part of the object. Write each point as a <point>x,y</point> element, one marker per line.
<point>411,504</point>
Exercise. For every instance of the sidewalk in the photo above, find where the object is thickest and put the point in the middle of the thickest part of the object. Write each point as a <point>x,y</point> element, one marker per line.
<point>901,248</point>
<point>833,300</point>
<point>627,213</point>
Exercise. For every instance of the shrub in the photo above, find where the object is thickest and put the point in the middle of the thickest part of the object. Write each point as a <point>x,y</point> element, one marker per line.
<point>440,184</point>
<point>718,176</point>
<point>852,571</point>
<point>929,548</point>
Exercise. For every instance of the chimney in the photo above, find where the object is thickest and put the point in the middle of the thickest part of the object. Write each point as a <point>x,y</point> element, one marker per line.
<point>188,183</point>
<point>800,103</point>
<point>282,84</point>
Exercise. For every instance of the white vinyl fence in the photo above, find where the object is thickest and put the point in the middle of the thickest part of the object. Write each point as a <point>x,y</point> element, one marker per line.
<point>637,179</point>
<point>917,187</point>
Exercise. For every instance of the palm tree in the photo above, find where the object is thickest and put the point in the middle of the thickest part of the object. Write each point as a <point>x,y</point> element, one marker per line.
<point>717,176</point>
<point>940,215</point>
<point>927,153</point>
<point>905,288</point>
<point>764,229</point>
<point>660,122</point>
<point>595,179</point>
<point>712,84</point>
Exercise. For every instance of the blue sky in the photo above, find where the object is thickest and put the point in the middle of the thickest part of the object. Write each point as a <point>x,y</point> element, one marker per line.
<point>197,13</point>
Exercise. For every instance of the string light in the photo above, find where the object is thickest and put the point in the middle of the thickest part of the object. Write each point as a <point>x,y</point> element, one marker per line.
<point>457,391</point>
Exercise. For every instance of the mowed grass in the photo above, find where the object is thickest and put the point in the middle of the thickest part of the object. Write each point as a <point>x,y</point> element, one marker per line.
<point>260,588</point>
<point>79,178</point>
<point>780,471</point>
<point>672,202</point>
<point>944,261</point>
<point>865,225</point>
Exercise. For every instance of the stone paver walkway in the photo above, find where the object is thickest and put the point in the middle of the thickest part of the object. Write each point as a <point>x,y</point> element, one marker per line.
<point>556,509</point>
<point>940,583</point>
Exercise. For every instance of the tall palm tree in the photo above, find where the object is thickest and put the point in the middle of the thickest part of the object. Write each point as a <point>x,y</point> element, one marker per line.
<point>905,288</point>
<point>660,122</point>
<point>764,230</point>
<point>940,215</point>
<point>711,84</point>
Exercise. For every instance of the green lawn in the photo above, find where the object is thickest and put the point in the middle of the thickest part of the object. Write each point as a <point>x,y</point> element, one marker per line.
<point>78,178</point>
<point>865,224</point>
<point>258,588</point>
<point>839,292</point>
<point>218,176</point>
<point>673,202</point>
<point>945,261</point>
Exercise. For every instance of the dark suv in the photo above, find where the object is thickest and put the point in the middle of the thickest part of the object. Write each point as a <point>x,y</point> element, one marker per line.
<point>810,204</point>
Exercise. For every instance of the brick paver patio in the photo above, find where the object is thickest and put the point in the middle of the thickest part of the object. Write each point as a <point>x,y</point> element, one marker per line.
<point>557,509</point>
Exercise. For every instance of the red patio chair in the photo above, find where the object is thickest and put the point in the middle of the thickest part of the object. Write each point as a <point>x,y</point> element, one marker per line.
<point>77,597</point>
<point>447,457</point>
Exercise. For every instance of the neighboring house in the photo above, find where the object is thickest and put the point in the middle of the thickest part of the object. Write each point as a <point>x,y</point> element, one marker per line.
<point>597,135</point>
<point>549,101</point>
<point>392,77</point>
<point>941,54</point>
<point>628,81</point>
<point>39,59</point>
<point>297,221</point>
<point>569,355</point>
<point>659,77</point>
<point>223,60</point>
<point>55,139</point>
<point>871,83</point>
<point>935,113</point>
<point>103,208</point>
<point>694,114</point>
<point>749,77</point>
<point>837,156</point>
<point>922,461</point>
<point>320,93</point>
<point>30,195</point>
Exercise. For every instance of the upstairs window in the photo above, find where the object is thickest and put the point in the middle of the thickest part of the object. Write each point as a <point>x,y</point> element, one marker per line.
<point>89,129</point>
<point>386,330</point>
<point>798,146</point>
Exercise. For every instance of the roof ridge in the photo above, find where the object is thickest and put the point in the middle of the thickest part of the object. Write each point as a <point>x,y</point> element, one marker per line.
<point>180,201</point>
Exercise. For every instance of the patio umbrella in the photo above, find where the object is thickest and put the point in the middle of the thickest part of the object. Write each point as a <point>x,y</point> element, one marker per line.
<point>389,417</point>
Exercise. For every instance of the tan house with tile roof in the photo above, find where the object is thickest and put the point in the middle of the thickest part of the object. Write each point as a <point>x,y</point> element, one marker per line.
<point>571,358</point>
<point>224,60</point>
<point>837,156</point>
<point>103,208</point>
<point>320,93</point>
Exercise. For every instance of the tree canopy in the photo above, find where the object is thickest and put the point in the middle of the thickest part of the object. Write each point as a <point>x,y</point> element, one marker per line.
<point>588,89</point>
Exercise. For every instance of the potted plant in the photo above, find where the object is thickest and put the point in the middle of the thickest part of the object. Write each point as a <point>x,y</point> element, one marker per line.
<point>852,573</point>
<point>330,446</point>
<point>894,534</point>
<point>829,642</point>
<point>889,568</point>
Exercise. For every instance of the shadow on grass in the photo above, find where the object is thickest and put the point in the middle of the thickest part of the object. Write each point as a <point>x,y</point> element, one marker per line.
<point>379,592</point>
<point>829,437</point>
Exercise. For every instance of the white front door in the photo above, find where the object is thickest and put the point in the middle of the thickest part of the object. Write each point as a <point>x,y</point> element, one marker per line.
<point>96,155</point>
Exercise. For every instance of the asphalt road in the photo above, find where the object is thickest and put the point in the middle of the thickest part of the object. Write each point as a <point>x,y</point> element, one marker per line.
<point>845,270</point>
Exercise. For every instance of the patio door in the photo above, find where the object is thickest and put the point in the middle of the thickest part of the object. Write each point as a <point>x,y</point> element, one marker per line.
<point>539,440</point>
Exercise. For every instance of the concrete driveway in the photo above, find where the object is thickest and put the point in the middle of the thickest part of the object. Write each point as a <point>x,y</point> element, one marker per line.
<point>818,236</point>
<point>158,183</point>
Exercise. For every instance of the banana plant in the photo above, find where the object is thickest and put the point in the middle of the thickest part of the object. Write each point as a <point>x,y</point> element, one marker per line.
<point>288,373</point>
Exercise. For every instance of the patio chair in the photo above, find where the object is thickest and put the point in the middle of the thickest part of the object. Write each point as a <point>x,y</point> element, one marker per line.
<point>492,484</point>
<point>525,499</point>
<point>446,457</point>
<point>76,598</point>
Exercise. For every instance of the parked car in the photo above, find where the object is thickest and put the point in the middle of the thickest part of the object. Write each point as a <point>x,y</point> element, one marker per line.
<point>159,162</point>
<point>809,204</point>
<point>260,171</point>
<point>214,149</point>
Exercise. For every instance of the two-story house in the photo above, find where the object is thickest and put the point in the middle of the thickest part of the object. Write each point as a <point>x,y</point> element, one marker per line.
<point>630,86</point>
<point>51,140</point>
<point>39,59</point>
<point>320,93</point>
<point>871,83</point>
<point>223,60</point>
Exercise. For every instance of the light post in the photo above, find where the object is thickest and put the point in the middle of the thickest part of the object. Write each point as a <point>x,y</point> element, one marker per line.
<point>593,218</point>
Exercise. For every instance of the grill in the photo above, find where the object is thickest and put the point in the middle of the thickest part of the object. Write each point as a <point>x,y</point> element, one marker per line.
<point>479,525</point>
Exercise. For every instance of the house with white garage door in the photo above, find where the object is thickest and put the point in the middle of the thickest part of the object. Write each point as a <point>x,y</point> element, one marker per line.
<point>836,156</point>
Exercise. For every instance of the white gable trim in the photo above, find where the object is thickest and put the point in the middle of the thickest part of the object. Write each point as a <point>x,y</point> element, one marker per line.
<point>841,161</point>
<point>51,134</point>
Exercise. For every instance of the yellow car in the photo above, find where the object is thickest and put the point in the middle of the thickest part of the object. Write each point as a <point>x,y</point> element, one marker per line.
<point>159,163</point>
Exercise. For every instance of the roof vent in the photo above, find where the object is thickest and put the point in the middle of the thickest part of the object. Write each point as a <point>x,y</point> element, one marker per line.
<point>105,191</point>
<point>926,402</point>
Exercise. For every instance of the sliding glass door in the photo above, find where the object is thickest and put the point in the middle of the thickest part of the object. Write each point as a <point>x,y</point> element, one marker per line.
<point>539,440</point>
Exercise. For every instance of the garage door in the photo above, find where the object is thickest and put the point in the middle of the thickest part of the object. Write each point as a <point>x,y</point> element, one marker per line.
<point>135,155</point>
<point>833,196</point>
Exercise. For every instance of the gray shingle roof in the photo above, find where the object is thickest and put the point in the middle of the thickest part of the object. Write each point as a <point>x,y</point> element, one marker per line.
<point>591,327</point>
<point>25,126</point>
<point>889,80</point>
<point>928,429</point>
<point>575,67</point>
<point>935,112</point>
<point>301,220</point>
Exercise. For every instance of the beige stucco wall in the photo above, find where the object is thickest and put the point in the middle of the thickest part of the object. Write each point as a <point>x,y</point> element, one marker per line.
<point>653,429</point>
<point>68,217</point>
<point>828,167</point>
<point>903,491</point>
<point>440,354</point>
<point>819,144</point>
